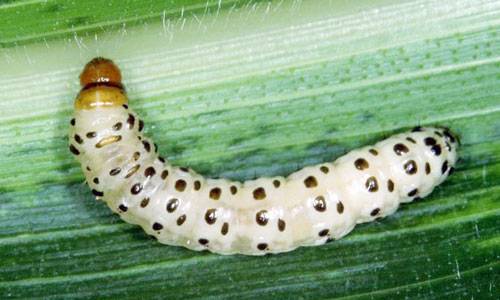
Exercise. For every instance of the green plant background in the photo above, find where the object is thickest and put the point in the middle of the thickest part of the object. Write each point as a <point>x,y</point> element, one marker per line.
<point>244,89</point>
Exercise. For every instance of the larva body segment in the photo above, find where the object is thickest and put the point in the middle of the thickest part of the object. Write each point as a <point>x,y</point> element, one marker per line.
<point>266,215</point>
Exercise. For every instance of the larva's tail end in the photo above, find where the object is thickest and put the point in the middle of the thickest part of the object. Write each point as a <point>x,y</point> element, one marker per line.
<point>100,70</point>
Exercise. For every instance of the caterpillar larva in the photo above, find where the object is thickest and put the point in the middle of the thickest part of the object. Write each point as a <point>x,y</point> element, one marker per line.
<point>266,215</point>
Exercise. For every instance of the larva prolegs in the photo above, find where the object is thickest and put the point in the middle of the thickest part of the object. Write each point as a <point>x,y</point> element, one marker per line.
<point>266,215</point>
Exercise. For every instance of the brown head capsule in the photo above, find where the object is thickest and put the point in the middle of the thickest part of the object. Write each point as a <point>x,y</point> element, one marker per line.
<point>100,70</point>
<point>101,85</point>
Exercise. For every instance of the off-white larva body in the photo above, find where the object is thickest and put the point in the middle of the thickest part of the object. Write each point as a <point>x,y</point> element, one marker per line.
<point>266,215</point>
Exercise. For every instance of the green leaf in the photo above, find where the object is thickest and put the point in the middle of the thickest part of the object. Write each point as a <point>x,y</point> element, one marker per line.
<point>244,89</point>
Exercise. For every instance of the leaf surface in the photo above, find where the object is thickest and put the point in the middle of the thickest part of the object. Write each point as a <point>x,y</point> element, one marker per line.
<point>243,89</point>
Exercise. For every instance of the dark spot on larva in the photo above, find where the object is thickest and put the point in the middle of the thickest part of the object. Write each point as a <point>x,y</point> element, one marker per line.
<point>97,193</point>
<point>261,217</point>
<point>156,147</point>
<point>375,212</point>
<point>180,185</point>
<point>448,146</point>
<point>399,149</point>
<point>141,125</point>
<point>427,168</point>
<point>323,232</point>
<point>91,134</point>
<point>310,182</point>
<point>319,203</point>
<point>130,121</point>
<point>88,168</point>
<point>429,141</point>
<point>436,149</point>
<point>262,246</point>
<point>123,208</point>
<point>149,172</point>
<point>410,167</point>
<point>416,129</point>
<point>203,241</point>
<point>172,205</point>
<point>161,159</point>
<point>147,146</point>
<point>117,126</point>
<point>324,169</point>
<point>259,193</point>
<point>125,106</point>
<point>224,229</point>
<point>164,174</point>
<point>412,192</point>
<point>74,150</point>
<point>96,180</point>
<point>371,184</point>
<point>409,139</point>
<point>136,156</point>
<point>210,216</point>
<point>132,171</point>
<point>197,185</point>
<point>449,135</point>
<point>444,167</point>
<point>390,185</point>
<point>115,171</point>
<point>157,226</point>
<point>78,139</point>
<point>72,122</point>
<point>373,152</point>
<point>184,169</point>
<point>438,133</point>
<point>215,193</point>
<point>340,207</point>
<point>361,164</point>
<point>281,225</point>
<point>276,183</point>
<point>144,202</point>
<point>108,140</point>
<point>233,189</point>
<point>136,189</point>
<point>181,220</point>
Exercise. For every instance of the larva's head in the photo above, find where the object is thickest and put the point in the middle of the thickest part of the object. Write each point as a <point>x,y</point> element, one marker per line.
<point>100,70</point>
<point>101,85</point>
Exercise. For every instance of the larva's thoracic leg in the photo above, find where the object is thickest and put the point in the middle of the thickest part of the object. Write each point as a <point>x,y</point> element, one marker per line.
<point>266,215</point>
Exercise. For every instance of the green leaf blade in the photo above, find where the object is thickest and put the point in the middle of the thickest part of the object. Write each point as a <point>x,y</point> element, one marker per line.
<point>245,89</point>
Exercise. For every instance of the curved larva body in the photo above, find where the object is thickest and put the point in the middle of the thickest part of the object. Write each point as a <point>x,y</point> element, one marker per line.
<point>267,215</point>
